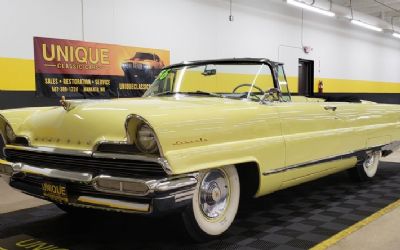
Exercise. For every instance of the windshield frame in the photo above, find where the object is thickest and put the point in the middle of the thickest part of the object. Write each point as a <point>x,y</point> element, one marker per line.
<point>273,66</point>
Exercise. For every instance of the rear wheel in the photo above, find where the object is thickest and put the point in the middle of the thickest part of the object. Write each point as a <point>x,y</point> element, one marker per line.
<point>367,169</point>
<point>214,205</point>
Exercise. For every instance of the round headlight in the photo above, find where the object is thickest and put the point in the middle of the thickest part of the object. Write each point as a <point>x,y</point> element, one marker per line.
<point>146,139</point>
<point>10,135</point>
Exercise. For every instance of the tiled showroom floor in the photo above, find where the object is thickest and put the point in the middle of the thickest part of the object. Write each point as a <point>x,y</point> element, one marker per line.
<point>296,218</point>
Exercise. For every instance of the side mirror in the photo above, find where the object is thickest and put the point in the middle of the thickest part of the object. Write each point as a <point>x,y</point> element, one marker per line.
<point>209,70</point>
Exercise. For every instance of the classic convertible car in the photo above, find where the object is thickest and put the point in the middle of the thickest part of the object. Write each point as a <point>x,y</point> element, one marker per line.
<point>205,135</point>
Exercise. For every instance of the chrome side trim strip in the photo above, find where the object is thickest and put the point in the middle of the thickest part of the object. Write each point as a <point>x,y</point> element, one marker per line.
<point>320,161</point>
<point>303,165</point>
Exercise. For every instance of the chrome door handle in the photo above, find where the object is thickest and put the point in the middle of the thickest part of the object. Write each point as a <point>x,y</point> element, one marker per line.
<point>333,108</point>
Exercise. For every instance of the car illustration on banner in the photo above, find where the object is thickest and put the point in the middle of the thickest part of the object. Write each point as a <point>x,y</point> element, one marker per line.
<point>205,135</point>
<point>142,67</point>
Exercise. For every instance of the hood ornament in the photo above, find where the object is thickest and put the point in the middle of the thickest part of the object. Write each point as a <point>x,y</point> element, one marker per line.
<point>65,104</point>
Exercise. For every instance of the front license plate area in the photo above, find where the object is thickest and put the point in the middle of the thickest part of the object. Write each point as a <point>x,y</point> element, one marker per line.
<point>55,191</point>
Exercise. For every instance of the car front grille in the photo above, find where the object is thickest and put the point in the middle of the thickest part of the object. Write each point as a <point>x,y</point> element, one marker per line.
<point>128,65</point>
<point>96,166</point>
<point>138,66</point>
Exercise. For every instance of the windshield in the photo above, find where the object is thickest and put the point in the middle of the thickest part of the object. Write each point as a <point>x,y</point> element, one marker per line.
<point>250,81</point>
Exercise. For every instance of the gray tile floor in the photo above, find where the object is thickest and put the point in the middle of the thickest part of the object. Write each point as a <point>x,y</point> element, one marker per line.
<point>296,218</point>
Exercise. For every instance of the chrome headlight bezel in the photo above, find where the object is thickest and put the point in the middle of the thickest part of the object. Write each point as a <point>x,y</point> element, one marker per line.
<point>146,139</point>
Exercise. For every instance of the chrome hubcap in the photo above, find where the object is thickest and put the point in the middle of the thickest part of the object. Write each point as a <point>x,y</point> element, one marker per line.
<point>214,194</point>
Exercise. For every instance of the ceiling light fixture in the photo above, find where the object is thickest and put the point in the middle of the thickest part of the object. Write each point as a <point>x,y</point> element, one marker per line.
<point>366,25</point>
<point>311,8</point>
<point>397,35</point>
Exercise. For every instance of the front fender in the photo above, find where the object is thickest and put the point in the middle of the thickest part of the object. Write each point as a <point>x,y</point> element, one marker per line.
<point>16,117</point>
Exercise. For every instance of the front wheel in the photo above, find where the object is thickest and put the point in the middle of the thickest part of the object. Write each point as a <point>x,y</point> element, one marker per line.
<point>367,169</point>
<point>214,205</point>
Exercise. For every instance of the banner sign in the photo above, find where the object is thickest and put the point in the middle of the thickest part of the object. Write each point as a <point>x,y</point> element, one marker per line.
<point>77,69</point>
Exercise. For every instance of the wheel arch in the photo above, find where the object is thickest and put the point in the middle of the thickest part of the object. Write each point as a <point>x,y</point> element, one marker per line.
<point>249,178</point>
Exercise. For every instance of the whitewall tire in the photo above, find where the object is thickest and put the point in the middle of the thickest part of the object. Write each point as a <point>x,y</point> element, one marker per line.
<point>214,205</point>
<point>367,169</point>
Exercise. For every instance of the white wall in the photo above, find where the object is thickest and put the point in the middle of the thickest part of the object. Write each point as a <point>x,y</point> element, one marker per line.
<point>199,29</point>
<point>20,20</point>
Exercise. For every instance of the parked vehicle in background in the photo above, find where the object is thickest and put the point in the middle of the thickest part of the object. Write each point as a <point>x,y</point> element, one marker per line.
<point>142,67</point>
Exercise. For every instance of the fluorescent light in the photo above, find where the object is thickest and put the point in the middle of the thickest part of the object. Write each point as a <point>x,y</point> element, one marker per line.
<point>366,25</point>
<point>310,8</point>
<point>397,35</point>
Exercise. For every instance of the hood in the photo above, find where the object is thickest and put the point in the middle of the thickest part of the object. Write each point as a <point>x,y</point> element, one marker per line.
<point>179,121</point>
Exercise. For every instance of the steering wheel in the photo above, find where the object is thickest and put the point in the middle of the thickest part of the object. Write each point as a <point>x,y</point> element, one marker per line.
<point>251,93</point>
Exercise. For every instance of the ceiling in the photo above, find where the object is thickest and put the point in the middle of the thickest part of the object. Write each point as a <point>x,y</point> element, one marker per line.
<point>387,10</point>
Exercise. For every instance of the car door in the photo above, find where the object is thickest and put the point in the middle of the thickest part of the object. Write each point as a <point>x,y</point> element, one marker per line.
<point>365,125</point>
<point>311,131</point>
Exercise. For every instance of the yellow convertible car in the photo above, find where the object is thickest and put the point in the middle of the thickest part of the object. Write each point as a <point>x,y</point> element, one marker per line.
<point>205,135</point>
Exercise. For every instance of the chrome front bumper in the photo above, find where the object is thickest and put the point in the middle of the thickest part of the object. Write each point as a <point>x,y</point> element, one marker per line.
<point>140,195</point>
